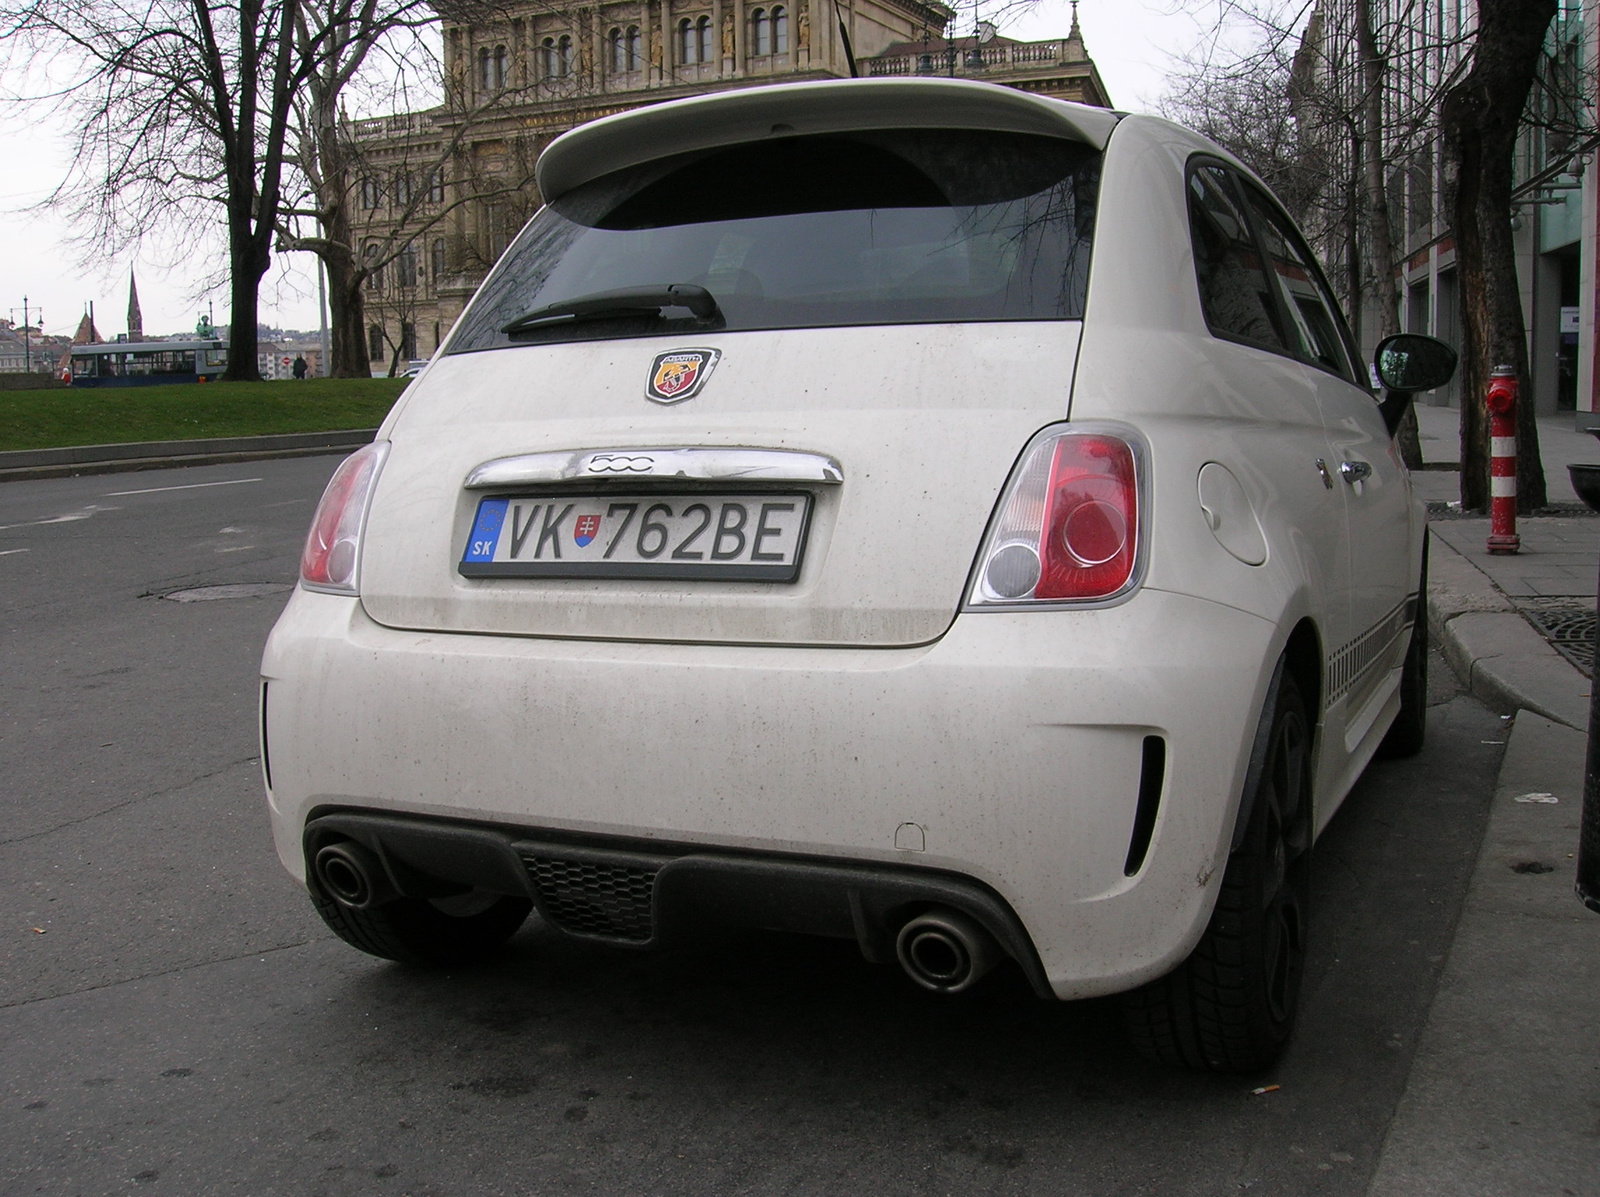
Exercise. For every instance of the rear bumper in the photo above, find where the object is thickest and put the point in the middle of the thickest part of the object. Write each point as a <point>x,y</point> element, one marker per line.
<point>1008,754</point>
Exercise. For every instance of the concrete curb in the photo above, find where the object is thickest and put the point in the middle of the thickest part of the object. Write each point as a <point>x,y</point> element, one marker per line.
<point>1505,663</point>
<point>156,455</point>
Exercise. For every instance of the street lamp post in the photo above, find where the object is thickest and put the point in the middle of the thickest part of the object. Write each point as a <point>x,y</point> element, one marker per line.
<point>27,360</point>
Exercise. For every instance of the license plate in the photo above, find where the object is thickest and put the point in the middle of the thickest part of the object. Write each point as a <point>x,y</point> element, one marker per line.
<point>737,537</point>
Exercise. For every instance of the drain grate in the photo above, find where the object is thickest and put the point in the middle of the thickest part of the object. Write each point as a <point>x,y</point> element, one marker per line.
<point>1568,626</point>
<point>593,898</point>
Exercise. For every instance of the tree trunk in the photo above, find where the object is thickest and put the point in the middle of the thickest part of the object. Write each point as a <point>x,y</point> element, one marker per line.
<point>1380,245</point>
<point>1480,117</point>
<point>248,259</point>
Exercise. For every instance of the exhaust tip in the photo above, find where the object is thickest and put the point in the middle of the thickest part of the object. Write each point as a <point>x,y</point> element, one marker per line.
<point>352,875</point>
<point>945,951</point>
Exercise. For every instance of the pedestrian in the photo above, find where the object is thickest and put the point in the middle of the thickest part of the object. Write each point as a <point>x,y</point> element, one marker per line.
<point>299,367</point>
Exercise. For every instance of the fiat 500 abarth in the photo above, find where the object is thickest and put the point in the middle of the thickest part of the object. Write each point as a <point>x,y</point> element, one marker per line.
<point>917,512</point>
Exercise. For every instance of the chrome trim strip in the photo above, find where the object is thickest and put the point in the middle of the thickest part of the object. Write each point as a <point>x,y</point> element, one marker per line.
<point>699,465</point>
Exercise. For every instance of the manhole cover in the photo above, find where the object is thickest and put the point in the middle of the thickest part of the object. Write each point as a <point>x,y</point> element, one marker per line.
<point>230,590</point>
<point>1568,627</point>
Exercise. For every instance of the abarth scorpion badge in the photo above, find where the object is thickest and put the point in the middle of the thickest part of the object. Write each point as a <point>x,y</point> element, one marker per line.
<point>680,373</point>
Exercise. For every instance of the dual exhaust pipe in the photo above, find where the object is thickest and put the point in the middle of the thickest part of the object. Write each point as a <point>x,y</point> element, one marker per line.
<point>946,951</point>
<point>941,949</point>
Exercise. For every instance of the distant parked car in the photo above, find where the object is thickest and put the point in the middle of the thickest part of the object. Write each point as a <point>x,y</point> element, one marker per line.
<point>913,511</point>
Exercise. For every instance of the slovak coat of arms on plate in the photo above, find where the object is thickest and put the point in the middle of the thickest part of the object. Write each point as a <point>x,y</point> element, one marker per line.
<point>680,373</point>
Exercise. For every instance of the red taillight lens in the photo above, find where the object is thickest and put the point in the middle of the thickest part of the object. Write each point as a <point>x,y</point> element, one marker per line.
<point>1068,525</point>
<point>1091,519</point>
<point>333,546</point>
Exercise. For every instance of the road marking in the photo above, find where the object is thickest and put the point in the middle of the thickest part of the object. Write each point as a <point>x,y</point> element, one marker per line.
<point>8,552</point>
<point>155,490</point>
<point>69,518</point>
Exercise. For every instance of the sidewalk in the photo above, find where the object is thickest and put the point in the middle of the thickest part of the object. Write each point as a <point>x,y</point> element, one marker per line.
<point>1504,1092</point>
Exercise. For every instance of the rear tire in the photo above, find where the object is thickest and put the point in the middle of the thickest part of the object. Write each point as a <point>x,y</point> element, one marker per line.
<point>1230,1007</point>
<point>417,932</point>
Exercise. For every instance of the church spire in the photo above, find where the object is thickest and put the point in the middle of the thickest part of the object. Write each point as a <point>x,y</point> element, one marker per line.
<point>135,317</point>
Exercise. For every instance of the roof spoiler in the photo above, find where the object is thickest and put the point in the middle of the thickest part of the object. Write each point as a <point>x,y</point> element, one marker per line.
<point>753,114</point>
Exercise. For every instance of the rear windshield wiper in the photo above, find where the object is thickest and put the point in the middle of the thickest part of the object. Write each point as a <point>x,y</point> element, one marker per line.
<point>628,301</point>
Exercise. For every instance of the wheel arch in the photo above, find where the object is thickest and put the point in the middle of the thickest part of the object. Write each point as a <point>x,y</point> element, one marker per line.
<point>1301,659</point>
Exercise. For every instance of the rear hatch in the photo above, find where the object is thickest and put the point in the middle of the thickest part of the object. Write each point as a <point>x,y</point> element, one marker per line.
<point>886,315</point>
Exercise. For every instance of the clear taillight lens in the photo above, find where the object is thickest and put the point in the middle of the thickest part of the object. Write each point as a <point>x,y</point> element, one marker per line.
<point>332,557</point>
<point>1067,528</point>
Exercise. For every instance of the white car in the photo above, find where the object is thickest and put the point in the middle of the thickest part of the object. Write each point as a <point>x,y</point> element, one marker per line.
<point>912,511</point>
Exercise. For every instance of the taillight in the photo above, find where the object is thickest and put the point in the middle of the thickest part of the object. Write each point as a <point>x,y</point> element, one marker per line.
<point>1067,528</point>
<point>332,555</point>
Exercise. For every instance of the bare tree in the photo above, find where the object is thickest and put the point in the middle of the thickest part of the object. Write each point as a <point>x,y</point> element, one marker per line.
<point>1284,87</point>
<point>1481,118</point>
<point>182,108</point>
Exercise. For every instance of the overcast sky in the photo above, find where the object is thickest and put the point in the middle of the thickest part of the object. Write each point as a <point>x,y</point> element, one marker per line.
<point>1131,42</point>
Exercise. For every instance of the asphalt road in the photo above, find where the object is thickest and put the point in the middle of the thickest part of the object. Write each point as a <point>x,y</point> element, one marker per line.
<point>174,1017</point>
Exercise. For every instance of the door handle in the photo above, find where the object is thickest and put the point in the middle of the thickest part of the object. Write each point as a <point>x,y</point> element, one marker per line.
<point>1354,471</point>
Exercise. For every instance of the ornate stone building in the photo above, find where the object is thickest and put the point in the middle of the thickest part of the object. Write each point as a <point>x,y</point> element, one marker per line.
<point>441,192</point>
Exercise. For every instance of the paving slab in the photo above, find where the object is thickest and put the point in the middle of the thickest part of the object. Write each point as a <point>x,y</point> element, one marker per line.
<point>1504,1092</point>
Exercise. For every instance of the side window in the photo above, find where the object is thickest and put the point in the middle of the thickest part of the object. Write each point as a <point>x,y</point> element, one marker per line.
<point>1234,292</point>
<point>1313,313</point>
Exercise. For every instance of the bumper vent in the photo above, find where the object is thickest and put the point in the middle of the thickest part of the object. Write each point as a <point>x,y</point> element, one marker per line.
<point>612,901</point>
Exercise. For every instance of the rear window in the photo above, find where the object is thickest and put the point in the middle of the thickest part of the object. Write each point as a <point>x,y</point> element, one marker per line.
<point>884,227</point>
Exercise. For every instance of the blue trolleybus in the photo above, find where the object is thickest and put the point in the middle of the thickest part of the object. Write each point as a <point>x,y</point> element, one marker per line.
<point>147,363</point>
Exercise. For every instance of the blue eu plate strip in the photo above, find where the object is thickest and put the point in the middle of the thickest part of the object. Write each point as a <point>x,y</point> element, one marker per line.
<point>486,530</point>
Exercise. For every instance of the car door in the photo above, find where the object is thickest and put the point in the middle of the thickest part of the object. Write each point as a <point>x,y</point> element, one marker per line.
<point>1277,443</point>
<point>1362,668</point>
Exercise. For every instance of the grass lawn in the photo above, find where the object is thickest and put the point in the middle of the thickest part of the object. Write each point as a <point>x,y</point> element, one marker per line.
<point>185,411</point>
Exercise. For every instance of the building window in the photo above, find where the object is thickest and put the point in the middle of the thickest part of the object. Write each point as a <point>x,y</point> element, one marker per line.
<point>694,41</point>
<point>406,264</point>
<point>627,50</point>
<point>760,34</point>
<point>438,263</point>
<point>408,341</point>
<point>369,259</point>
<point>375,342</point>
<point>555,57</point>
<point>492,68</point>
<point>780,29</point>
<point>436,187</point>
<point>371,194</point>
<point>402,188</point>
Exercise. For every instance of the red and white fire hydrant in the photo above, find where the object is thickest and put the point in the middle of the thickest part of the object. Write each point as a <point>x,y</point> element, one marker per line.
<point>1502,404</point>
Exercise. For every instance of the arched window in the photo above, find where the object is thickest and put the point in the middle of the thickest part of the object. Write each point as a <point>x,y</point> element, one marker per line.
<point>485,70</point>
<point>499,67</point>
<point>564,56</point>
<point>619,52</point>
<point>703,28</point>
<point>688,44</point>
<point>635,49</point>
<point>760,34</point>
<point>438,261</point>
<point>402,188</point>
<point>406,264</point>
<point>371,194</point>
<point>547,58</point>
<point>375,342</point>
<point>369,259</point>
<point>780,29</point>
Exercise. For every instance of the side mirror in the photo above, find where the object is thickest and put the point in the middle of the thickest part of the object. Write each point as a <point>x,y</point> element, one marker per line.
<point>1408,363</point>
